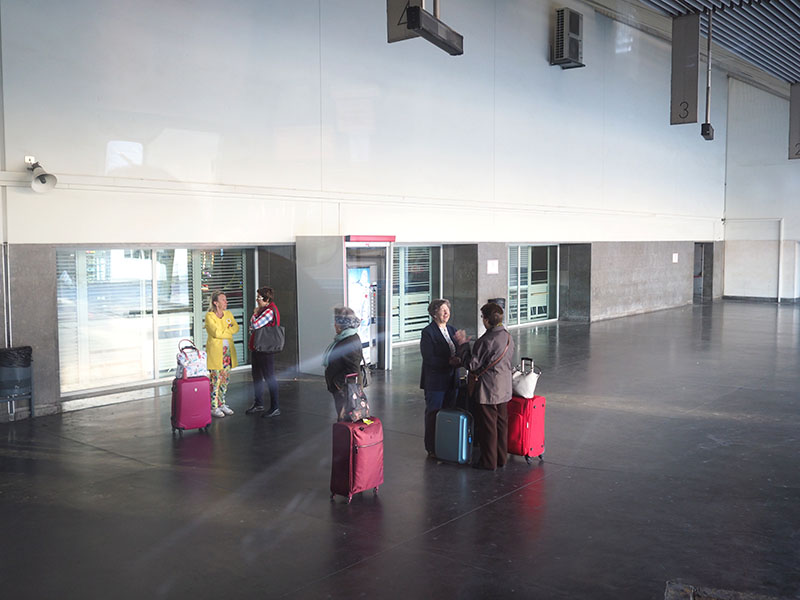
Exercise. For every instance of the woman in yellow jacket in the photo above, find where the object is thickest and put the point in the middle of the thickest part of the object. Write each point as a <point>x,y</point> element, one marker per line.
<point>221,326</point>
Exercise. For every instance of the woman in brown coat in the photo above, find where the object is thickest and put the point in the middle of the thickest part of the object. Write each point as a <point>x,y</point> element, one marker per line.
<point>491,360</point>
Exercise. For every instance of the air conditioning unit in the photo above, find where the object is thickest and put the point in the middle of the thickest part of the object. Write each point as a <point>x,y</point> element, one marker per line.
<point>567,48</point>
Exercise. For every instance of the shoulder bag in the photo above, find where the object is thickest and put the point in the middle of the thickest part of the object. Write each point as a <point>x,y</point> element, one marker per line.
<point>356,406</point>
<point>271,338</point>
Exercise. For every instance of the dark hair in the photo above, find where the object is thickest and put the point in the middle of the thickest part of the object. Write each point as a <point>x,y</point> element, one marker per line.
<point>492,313</point>
<point>267,293</point>
<point>436,305</point>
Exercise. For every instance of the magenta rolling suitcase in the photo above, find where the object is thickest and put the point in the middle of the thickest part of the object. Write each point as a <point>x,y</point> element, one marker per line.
<point>191,403</point>
<point>357,463</point>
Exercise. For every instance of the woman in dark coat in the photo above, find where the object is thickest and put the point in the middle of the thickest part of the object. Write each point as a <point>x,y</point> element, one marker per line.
<point>439,362</point>
<point>491,360</point>
<point>343,356</point>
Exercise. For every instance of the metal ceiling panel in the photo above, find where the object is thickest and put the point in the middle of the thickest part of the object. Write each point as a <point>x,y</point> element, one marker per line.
<point>765,33</point>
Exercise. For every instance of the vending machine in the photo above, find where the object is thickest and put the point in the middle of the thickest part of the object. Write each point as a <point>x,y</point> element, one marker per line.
<point>362,295</point>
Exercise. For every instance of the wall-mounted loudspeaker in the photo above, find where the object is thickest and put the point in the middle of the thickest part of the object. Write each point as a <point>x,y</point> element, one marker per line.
<point>567,48</point>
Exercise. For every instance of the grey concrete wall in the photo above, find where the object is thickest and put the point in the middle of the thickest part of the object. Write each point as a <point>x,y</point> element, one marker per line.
<point>575,282</point>
<point>493,285</point>
<point>32,272</point>
<point>636,277</point>
<point>460,284</point>
<point>277,269</point>
<point>321,282</point>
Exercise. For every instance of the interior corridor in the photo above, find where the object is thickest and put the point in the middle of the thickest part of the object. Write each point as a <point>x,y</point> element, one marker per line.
<point>672,455</point>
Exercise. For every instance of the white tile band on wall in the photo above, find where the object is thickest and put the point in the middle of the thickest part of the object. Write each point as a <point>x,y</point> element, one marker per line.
<point>298,125</point>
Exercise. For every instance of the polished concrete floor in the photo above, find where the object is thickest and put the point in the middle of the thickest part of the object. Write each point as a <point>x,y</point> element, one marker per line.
<point>673,454</point>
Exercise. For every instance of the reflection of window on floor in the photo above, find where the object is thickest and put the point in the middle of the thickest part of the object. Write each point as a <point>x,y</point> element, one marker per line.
<point>531,283</point>
<point>415,282</point>
<point>111,328</point>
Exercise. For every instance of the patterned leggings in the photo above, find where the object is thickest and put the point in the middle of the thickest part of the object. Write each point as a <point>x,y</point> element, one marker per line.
<point>219,379</point>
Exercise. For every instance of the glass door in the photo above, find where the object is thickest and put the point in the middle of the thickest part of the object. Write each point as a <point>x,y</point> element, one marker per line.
<point>532,283</point>
<point>415,282</point>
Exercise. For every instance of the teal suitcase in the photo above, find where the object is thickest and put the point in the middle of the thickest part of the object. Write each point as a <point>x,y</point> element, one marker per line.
<point>453,441</point>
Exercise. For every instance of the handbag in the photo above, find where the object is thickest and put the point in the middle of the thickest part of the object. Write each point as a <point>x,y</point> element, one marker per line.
<point>472,378</point>
<point>191,361</point>
<point>356,406</point>
<point>523,383</point>
<point>366,375</point>
<point>269,340</point>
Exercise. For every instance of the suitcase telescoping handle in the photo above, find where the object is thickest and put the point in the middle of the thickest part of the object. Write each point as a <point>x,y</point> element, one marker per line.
<point>534,368</point>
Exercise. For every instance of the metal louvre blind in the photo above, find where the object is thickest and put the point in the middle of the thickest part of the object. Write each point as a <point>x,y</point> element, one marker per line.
<point>513,285</point>
<point>175,320</point>
<point>411,291</point>
<point>67,315</point>
<point>223,270</point>
<point>113,331</point>
<point>531,283</point>
<point>524,282</point>
<point>106,335</point>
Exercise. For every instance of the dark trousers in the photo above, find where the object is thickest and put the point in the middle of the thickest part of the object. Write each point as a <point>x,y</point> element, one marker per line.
<point>434,401</point>
<point>491,430</point>
<point>263,370</point>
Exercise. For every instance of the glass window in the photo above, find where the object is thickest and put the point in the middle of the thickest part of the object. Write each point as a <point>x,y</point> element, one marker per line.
<point>415,282</point>
<point>112,328</point>
<point>532,283</point>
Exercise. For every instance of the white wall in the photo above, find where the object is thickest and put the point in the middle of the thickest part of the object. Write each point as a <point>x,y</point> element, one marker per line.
<point>257,121</point>
<point>763,188</point>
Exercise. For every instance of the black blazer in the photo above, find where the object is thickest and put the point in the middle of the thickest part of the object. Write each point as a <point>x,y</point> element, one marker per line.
<point>437,374</point>
<point>345,358</point>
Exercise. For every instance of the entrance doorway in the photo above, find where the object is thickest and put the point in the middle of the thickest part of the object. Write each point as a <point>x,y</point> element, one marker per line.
<point>703,272</point>
<point>367,269</point>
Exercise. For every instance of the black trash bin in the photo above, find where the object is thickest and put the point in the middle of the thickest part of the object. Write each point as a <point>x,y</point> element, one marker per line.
<point>16,381</point>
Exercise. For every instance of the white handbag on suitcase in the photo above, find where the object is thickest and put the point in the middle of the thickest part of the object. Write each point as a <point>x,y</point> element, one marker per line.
<point>191,361</point>
<point>523,383</point>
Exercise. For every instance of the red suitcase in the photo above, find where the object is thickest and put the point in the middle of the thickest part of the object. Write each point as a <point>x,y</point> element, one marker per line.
<point>357,463</point>
<point>526,426</point>
<point>191,403</point>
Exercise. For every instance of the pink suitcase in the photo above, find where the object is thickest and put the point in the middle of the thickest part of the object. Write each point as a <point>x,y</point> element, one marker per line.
<point>191,403</point>
<point>357,463</point>
<point>526,426</point>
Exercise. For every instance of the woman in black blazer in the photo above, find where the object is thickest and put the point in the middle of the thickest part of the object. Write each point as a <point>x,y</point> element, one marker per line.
<point>439,362</point>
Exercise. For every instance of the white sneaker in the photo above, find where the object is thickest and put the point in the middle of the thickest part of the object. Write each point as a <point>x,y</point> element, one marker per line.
<point>226,409</point>
<point>216,412</point>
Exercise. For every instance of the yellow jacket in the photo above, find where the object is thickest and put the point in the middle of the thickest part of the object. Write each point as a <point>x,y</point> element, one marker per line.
<point>218,330</point>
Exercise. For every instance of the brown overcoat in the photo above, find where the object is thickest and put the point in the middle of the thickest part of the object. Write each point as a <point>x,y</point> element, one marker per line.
<point>494,386</point>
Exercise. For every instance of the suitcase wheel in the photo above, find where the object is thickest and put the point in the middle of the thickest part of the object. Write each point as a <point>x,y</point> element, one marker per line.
<point>375,490</point>
<point>349,499</point>
<point>528,459</point>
